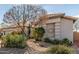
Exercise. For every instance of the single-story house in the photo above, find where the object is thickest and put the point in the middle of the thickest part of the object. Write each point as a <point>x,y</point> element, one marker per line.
<point>57,26</point>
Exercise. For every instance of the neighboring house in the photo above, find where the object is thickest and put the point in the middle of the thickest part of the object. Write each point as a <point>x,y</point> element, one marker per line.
<point>57,26</point>
<point>9,30</point>
<point>4,31</point>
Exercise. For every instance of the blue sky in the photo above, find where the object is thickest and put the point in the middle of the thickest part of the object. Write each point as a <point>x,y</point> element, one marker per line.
<point>71,10</point>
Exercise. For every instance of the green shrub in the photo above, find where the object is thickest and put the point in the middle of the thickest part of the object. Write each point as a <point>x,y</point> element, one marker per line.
<point>60,49</point>
<point>15,41</point>
<point>56,41</point>
<point>66,41</point>
<point>38,33</point>
<point>47,40</point>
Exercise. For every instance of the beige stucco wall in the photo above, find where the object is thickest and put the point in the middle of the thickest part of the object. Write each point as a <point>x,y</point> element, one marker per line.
<point>66,29</point>
<point>57,28</point>
<point>53,20</point>
<point>63,28</point>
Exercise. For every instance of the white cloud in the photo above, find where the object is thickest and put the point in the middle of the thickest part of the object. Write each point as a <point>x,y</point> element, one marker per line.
<point>77,16</point>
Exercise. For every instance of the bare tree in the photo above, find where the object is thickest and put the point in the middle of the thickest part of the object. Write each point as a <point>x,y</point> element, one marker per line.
<point>76,25</point>
<point>23,13</point>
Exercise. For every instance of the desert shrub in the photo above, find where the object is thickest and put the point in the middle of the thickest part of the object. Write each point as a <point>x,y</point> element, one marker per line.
<point>66,41</point>
<point>60,49</point>
<point>15,41</point>
<point>38,33</point>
